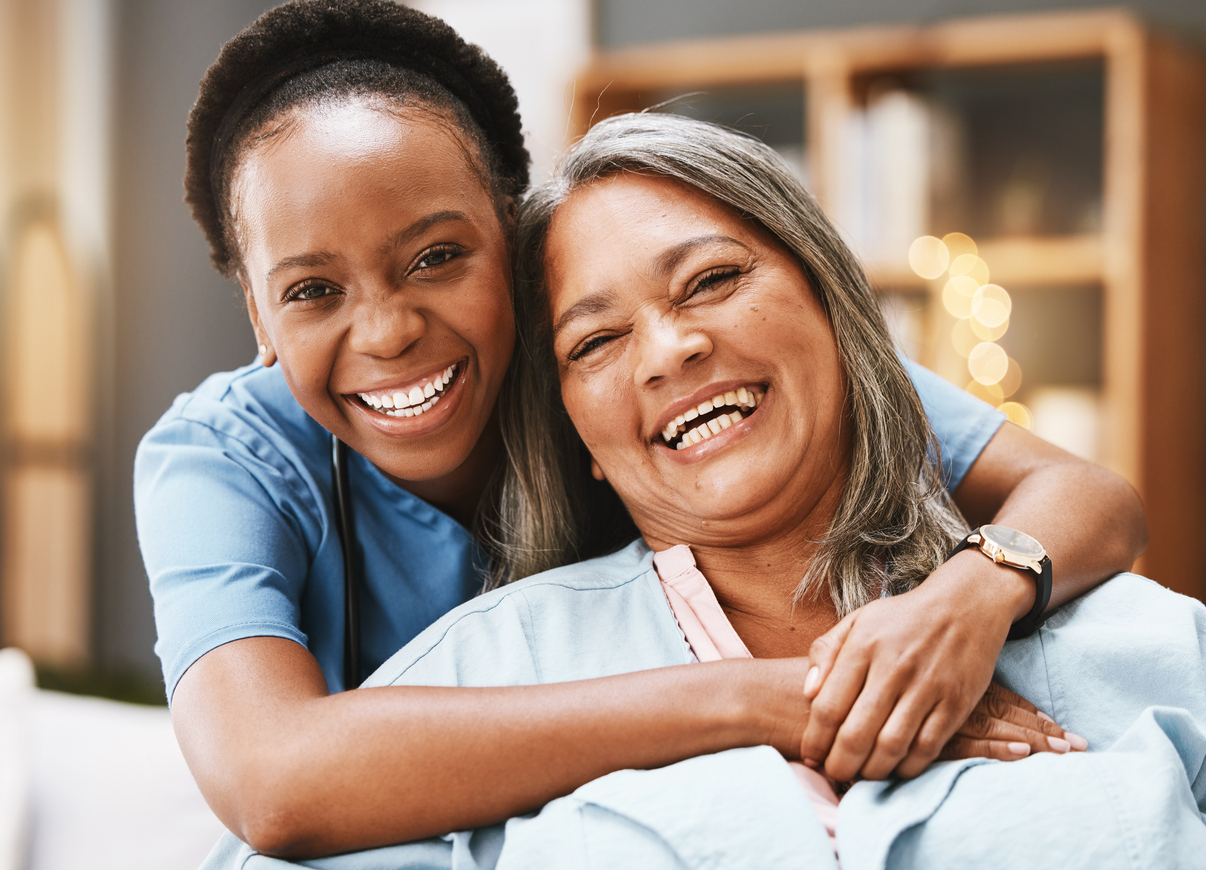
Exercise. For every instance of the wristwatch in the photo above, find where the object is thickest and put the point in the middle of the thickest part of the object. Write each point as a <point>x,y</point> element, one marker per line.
<point>1007,546</point>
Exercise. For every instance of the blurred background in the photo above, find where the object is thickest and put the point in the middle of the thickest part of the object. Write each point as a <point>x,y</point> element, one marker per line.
<point>1024,179</point>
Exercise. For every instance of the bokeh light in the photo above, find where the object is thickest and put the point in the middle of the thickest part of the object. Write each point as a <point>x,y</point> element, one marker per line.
<point>991,393</point>
<point>987,362</point>
<point>928,257</point>
<point>959,244</point>
<point>958,294</point>
<point>987,333</point>
<point>971,266</point>
<point>1017,413</point>
<point>963,339</point>
<point>991,305</point>
<point>1012,382</point>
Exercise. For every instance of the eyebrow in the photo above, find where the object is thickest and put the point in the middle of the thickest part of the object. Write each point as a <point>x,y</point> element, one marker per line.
<point>671,258</point>
<point>666,262</point>
<point>323,258</point>
<point>595,303</point>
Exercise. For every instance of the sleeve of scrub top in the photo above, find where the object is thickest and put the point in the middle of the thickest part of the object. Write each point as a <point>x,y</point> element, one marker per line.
<point>224,534</point>
<point>962,423</point>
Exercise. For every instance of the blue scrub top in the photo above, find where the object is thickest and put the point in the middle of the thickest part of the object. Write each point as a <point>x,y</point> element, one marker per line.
<point>235,513</point>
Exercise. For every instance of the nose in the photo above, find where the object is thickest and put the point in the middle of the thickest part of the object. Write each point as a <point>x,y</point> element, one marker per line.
<point>385,325</point>
<point>670,345</point>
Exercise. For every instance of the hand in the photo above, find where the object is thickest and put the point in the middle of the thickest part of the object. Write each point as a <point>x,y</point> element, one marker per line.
<point>895,679</point>
<point>1007,727</point>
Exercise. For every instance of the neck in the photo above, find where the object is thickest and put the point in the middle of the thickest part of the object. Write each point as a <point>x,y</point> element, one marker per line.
<point>756,586</point>
<point>459,493</point>
<point>755,579</point>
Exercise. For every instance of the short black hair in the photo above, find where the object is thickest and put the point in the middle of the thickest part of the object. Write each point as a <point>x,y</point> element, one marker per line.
<point>307,51</point>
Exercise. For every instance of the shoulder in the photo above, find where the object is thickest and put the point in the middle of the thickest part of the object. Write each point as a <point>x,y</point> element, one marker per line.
<point>248,403</point>
<point>247,417</point>
<point>595,618</point>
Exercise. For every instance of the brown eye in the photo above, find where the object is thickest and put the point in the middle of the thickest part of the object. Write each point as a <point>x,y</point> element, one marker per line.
<point>437,256</point>
<point>591,344</point>
<point>714,279</point>
<point>308,291</point>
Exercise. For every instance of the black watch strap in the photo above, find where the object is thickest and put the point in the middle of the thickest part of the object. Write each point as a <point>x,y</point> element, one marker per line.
<point>1029,623</point>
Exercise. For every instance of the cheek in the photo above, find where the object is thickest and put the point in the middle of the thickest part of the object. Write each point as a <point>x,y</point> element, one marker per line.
<point>602,412</point>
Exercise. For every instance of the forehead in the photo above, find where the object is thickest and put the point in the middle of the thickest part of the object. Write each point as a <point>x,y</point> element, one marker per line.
<point>343,158</point>
<point>629,222</point>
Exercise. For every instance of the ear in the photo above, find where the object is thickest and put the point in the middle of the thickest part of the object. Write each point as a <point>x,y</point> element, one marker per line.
<point>267,354</point>
<point>595,471</point>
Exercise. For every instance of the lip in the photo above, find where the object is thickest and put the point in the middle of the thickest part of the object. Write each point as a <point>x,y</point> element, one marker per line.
<point>406,385</point>
<point>721,440</point>
<point>428,421</point>
<point>699,397</point>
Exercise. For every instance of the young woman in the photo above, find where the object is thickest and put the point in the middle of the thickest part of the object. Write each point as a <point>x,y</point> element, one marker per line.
<point>356,166</point>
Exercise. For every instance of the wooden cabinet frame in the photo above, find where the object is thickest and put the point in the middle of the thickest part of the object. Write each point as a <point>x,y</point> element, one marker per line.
<point>1148,257</point>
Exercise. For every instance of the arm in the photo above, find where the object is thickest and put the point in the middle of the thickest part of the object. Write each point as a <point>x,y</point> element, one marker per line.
<point>896,679</point>
<point>294,771</point>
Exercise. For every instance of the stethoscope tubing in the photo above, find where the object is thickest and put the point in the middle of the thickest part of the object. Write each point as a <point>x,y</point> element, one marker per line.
<point>351,598</point>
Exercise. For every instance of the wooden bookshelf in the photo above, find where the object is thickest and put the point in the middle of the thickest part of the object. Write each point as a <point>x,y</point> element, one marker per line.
<point>1143,254</point>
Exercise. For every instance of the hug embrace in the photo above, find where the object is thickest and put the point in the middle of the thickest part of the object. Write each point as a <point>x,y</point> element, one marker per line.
<point>664,362</point>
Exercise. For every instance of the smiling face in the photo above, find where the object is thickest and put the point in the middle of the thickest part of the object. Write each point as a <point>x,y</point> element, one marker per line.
<point>666,304</point>
<point>377,272</point>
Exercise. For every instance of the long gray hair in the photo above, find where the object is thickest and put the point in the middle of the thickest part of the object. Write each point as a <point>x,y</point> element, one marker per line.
<point>895,522</point>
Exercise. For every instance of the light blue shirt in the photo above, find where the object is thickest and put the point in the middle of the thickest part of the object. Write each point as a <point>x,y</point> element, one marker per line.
<point>1124,666</point>
<point>232,491</point>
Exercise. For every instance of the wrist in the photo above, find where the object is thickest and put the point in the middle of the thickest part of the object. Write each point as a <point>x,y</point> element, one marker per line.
<point>769,704</point>
<point>992,588</point>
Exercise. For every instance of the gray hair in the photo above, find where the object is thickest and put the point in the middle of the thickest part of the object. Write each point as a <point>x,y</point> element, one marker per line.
<point>895,522</point>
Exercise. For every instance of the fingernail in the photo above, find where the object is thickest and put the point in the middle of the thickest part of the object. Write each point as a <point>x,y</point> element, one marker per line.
<point>811,680</point>
<point>1019,748</point>
<point>808,762</point>
<point>1059,745</point>
<point>1077,742</point>
<point>1044,716</point>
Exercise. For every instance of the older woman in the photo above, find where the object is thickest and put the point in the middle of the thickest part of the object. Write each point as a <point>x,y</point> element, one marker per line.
<point>675,276</point>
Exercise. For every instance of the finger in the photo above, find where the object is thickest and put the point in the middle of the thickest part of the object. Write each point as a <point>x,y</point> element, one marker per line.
<point>832,705</point>
<point>1000,703</point>
<point>981,726</point>
<point>939,727</point>
<point>967,747</point>
<point>895,739</point>
<point>857,735</point>
<point>823,653</point>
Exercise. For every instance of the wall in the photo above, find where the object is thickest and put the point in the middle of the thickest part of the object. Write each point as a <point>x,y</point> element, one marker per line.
<point>626,22</point>
<point>174,320</point>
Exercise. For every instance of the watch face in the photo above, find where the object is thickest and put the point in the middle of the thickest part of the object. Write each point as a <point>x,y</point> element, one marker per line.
<point>1013,541</point>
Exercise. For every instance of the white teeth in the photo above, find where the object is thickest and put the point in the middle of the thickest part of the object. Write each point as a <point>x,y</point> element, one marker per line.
<point>740,398</point>
<point>415,401</point>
